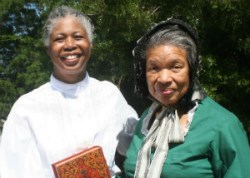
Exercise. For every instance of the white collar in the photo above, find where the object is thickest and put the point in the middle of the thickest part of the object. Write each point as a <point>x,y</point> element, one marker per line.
<point>69,90</point>
<point>152,109</point>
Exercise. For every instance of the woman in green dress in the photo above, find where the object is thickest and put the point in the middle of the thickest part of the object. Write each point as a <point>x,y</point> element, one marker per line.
<point>184,133</point>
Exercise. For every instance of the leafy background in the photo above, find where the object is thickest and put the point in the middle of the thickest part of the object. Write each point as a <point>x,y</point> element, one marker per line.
<point>223,27</point>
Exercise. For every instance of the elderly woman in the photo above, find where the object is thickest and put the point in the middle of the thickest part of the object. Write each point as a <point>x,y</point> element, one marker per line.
<point>184,133</point>
<point>70,113</point>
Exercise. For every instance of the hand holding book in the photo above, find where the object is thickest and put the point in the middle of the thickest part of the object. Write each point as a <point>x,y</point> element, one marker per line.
<point>89,163</point>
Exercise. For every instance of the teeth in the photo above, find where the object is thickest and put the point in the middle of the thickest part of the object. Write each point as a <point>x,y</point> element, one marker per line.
<point>71,57</point>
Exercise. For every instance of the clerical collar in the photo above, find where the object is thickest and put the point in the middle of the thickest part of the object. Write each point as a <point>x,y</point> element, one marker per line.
<point>69,90</point>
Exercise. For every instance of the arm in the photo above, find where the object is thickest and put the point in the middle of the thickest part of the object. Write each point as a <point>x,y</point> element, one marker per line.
<point>126,135</point>
<point>231,151</point>
<point>18,151</point>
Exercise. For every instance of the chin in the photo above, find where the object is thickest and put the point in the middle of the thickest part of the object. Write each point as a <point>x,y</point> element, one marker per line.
<point>168,102</point>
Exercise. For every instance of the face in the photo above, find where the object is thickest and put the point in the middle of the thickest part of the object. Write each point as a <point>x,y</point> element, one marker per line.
<point>167,73</point>
<point>69,50</point>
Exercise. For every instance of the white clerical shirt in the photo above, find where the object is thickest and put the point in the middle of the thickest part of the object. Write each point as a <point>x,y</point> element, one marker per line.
<point>57,120</point>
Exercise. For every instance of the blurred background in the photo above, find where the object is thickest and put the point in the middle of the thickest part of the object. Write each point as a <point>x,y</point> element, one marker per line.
<point>223,27</point>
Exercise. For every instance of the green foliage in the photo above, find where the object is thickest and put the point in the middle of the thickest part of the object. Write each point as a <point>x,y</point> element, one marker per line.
<point>223,27</point>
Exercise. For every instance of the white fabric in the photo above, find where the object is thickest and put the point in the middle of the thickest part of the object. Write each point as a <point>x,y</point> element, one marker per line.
<point>165,128</point>
<point>57,120</point>
<point>144,129</point>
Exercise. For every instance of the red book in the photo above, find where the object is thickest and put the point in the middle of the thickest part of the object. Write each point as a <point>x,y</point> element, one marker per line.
<point>89,163</point>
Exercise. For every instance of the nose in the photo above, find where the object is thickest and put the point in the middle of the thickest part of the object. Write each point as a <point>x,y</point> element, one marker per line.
<point>164,76</point>
<point>69,44</point>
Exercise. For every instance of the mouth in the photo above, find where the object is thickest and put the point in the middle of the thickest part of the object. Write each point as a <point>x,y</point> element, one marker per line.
<point>166,92</point>
<point>70,57</point>
<point>70,60</point>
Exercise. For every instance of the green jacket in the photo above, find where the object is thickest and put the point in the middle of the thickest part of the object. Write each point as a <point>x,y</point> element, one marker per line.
<point>216,146</point>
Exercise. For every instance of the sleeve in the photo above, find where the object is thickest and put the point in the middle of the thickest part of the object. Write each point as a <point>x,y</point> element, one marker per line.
<point>231,151</point>
<point>126,135</point>
<point>126,119</point>
<point>123,125</point>
<point>19,155</point>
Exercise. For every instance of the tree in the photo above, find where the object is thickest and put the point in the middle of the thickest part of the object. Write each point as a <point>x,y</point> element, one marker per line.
<point>22,65</point>
<point>223,27</point>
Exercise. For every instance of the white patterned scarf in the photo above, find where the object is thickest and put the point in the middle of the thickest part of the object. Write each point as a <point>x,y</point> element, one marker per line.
<point>164,130</point>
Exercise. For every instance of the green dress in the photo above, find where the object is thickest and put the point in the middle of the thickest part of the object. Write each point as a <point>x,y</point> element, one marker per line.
<point>216,145</point>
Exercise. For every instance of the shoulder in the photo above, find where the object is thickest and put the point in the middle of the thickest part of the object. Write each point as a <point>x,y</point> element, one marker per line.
<point>211,114</point>
<point>26,104</point>
<point>104,86</point>
<point>106,91</point>
<point>226,131</point>
<point>213,109</point>
<point>32,96</point>
<point>105,83</point>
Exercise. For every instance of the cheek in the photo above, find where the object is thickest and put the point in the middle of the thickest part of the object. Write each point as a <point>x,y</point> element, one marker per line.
<point>54,51</point>
<point>150,82</point>
<point>50,53</point>
<point>185,84</point>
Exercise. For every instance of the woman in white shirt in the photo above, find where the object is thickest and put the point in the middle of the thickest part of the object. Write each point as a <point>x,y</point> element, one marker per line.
<point>70,113</point>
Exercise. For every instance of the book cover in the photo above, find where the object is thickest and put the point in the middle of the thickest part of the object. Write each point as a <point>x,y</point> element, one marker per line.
<point>89,163</point>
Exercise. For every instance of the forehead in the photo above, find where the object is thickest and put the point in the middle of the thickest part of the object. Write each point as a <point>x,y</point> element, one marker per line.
<point>68,23</point>
<point>166,50</point>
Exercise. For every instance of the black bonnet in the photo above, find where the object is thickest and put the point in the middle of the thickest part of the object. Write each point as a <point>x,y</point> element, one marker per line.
<point>139,55</point>
<point>163,25</point>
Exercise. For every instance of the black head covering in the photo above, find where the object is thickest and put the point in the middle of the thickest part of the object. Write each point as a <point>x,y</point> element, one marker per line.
<point>139,54</point>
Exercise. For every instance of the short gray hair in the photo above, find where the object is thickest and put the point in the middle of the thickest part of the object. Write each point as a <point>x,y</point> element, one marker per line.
<point>62,12</point>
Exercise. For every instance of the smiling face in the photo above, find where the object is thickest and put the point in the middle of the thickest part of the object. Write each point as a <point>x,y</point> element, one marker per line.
<point>167,73</point>
<point>69,50</point>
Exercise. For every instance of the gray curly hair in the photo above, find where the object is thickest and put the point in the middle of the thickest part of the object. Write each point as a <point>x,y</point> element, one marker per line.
<point>62,12</point>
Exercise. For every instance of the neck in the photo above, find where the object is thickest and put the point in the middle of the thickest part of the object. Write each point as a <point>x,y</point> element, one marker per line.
<point>70,78</point>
